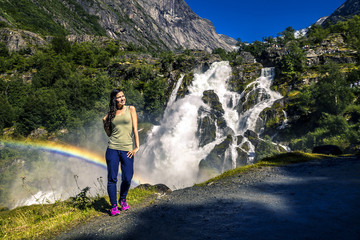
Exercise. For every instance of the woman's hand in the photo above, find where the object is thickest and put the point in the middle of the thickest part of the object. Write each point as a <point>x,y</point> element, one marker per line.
<point>132,153</point>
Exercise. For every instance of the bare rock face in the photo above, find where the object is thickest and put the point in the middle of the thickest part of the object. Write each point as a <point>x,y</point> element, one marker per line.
<point>16,40</point>
<point>185,27</point>
<point>153,24</point>
<point>347,10</point>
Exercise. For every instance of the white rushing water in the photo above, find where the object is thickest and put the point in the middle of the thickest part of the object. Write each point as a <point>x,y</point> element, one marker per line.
<point>172,154</point>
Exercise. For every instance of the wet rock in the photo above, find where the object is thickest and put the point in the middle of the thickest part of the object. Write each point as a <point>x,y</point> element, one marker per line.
<point>211,98</point>
<point>252,137</point>
<point>246,146</point>
<point>210,119</point>
<point>215,163</point>
<point>244,74</point>
<point>206,131</point>
<point>242,157</point>
<point>239,139</point>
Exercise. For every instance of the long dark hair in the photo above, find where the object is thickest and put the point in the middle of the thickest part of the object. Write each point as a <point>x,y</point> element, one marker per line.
<point>113,108</point>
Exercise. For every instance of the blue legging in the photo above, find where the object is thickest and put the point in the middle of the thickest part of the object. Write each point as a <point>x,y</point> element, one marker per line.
<point>113,158</point>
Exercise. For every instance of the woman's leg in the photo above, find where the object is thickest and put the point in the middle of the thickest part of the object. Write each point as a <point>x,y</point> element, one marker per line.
<point>127,172</point>
<point>112,162</point>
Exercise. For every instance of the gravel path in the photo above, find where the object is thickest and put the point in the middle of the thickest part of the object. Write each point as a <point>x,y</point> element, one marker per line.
<point>314,200</point>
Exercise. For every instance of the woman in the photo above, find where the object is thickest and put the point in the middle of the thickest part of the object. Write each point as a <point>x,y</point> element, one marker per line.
<point>120,125</point>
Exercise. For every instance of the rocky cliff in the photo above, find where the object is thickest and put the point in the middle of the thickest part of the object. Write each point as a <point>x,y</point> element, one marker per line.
<point>185,27</point>
<point>345,11</point>
<point>165,24</point>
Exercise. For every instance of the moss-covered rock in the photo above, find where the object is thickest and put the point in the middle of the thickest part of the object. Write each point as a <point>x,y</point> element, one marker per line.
<point>242,75</point>
<point>242,158</point>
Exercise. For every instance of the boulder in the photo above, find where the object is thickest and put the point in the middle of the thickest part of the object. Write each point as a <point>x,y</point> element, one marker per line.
<point>242,157</point>
<point>161,188</point>
<point>206,132</point>
<point>215,163</point>
<point>252,137</point>
<point>211,119</point>
<point>327,149</point>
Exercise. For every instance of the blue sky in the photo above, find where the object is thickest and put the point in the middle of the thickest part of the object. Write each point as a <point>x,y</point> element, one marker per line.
<point>252,20</point>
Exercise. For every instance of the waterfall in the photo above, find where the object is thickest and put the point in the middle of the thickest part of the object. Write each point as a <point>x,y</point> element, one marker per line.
<point>265,98</point>
<point>176,89</point>
<point>172,154</point>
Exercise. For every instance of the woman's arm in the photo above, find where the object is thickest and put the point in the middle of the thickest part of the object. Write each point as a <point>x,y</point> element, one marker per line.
<point>136,133</point>
<point>108,132</point>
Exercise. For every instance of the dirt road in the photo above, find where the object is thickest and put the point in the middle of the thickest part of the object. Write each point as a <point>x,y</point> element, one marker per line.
<point>314,200</point>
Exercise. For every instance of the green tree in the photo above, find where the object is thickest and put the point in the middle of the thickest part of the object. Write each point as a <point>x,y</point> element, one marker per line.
<point>317,34</point>
<point>6,113</point>
<point>287,35</point>
<point>332,93</point>
<point>154,97</point>
<point>42,108</point>
<point>60,44</point>
<point>293,62</point>
<point>4,51</point>
<point>50,69</point>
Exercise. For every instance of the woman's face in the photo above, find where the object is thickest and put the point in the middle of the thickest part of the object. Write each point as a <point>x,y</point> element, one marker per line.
<point>120,98</point>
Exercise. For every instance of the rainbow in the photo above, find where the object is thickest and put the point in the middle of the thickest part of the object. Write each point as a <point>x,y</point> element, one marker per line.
<point>64,150</point>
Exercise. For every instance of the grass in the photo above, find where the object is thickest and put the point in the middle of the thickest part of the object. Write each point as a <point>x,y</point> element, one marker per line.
<point>47,220</point>
<point>276,160</point>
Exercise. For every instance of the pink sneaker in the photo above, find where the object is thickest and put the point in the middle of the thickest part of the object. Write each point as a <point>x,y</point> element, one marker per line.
<point>114,211</point>
<point>124,205</point>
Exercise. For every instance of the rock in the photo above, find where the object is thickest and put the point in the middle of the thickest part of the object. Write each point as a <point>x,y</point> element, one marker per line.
<point>272,56</point>
<point>38,133</point>
<point>239,139</point>
<point>215,163</point>
<point>345,11</point>
<point>17,40</point>
<point>242,157</point>
<point>211,98</point>
<point>247,58</point>
<point>161,188</point>
<point>211,119</point>
<point>242,75</point>
<point>327,149</point>
<point>185,28</point>
<point>206,132</point>
<point>252,137</point>
<point>152,24</point>
<point>252,98</point>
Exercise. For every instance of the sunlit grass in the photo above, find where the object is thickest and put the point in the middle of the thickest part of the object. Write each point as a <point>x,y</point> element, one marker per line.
<point>276,160</point>
<point>39,221</point>
<point>47,220</point>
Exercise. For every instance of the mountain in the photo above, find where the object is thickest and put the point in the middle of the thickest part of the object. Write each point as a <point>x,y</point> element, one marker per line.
<point>345,11</point>
<point>165,24</point>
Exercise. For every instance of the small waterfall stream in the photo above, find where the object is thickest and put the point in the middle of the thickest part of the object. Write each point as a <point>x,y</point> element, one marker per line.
<point>172,153</point>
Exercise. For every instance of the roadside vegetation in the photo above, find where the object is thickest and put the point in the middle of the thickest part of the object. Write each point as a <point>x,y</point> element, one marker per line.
<point>44,221</point>
<point>273,160</point>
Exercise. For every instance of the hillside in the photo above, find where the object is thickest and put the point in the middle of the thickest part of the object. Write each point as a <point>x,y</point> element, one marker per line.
<point>165,25</point>
<point>347,10</point>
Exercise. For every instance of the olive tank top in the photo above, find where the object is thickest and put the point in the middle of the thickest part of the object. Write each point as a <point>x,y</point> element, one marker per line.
<point>122,132</point>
